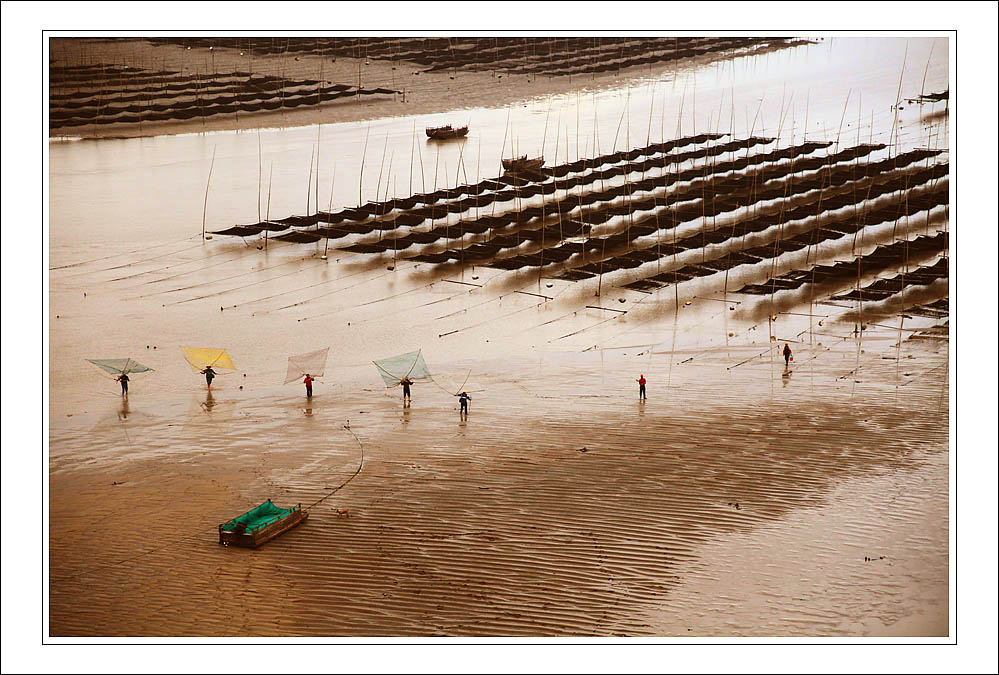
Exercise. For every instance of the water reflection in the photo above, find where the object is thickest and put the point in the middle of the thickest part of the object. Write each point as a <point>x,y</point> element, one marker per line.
<point>209,402</point>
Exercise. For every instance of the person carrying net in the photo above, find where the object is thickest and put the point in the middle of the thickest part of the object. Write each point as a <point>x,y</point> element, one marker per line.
<point>406,384</point>
<point>463,399</point>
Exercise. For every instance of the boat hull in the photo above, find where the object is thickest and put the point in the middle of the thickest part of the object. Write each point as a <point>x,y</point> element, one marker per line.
<point>444,133</point>
<point>523,164</point>
<point>265,534</point>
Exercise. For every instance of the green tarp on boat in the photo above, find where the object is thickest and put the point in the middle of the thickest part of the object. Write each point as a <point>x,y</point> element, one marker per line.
<point>259,518</point>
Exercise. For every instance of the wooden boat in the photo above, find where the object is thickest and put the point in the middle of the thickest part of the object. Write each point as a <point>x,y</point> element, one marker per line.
<point>523,163</point>
<point>260,524</point>
<point>446,131</point>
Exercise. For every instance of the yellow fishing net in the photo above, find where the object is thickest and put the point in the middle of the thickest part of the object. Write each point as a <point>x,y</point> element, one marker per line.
<point>202,357</point>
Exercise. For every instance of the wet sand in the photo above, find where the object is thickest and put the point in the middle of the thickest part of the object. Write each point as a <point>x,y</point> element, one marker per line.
<point>561,507</point>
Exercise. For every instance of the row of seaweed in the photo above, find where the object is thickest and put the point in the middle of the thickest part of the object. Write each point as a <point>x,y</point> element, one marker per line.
<point>881,289</point>
<point>201,107</point>
<point>141,97</point>
<point>625,254</point>
<point>200,84</point>
<point>512,229</point>
<point>550,56</point>
<point>887,257</point>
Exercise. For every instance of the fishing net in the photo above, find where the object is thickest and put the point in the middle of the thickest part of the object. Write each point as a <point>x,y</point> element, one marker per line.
<point>120,366</point>
<point>313,363</point>
<point>410,364</point>
<point>202,357</point>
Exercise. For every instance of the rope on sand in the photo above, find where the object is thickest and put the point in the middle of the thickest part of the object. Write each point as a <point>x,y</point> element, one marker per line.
<point>117,255</point>
<point>349,478</point>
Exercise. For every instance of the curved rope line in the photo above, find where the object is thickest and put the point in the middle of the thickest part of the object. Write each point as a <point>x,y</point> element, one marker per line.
<point>360,465</point>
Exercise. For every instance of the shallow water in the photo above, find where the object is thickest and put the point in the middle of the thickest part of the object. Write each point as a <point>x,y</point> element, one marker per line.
<point>150,190</point>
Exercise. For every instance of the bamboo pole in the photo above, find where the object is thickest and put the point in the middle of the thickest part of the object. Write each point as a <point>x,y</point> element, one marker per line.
<point>437,162</point>
<point>204,212</point>
<point>676,286</point>
<point>627,183</point>
<point>326,247</point>
<point>447,215</point>
<point>898,95</point>
<point>385,197</point>
<point>270,178</point>
<point>378,186</point>
<point>506,128</point>
<point>308,194</point>
<point>360,179</point>
<point>478,191</point>
<point>260,169</point>
<point>319,130</point>
<point>411,153</point>
<point>419,150</point>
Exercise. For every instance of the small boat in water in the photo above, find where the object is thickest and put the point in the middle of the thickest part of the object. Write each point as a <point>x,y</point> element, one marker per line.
<point>446,131</point>
<point>523,163</point>
<point>260,524</point>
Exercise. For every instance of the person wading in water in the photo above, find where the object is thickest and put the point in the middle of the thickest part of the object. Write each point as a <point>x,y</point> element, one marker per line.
<point>463,399</point>
<point>406,383</point>
<point>308,385</point>
<point>123,378</point>
<point>787,354</point>
<point>641,386</point>
<point>209,375</point>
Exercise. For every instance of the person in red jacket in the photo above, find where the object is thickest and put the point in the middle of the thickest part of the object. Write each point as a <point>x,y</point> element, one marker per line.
<point>308,385</point>
<point>641,386</point>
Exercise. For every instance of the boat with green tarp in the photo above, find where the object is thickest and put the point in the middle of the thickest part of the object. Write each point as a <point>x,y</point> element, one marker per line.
<point>260,524</point>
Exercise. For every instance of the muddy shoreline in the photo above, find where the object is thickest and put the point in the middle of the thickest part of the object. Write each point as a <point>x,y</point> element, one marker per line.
<point>520,521</point>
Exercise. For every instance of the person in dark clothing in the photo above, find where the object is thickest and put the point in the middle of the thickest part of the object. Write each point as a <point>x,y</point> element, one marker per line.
<point>787,354</point>
<point>463,399</point>
<point>123,378</point>
<point>406,383</point>
<point>209,375</point>
<point>641,386</point>
<point>308,385</point>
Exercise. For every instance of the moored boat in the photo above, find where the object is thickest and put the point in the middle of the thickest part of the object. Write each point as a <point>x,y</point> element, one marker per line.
<point>260,524</point>
<point>446,131</point>
<point>522,163</point>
